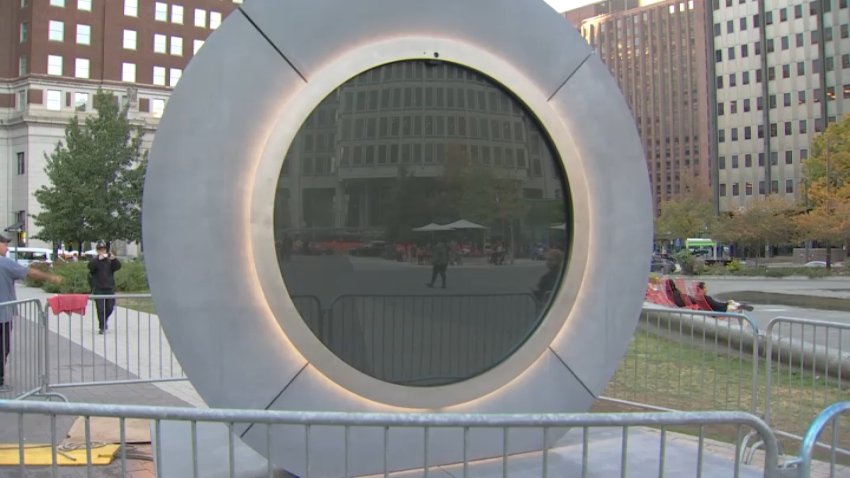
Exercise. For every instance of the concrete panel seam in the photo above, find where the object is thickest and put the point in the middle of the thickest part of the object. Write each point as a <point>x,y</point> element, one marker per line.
<point>578,379</point>
<point>569,75</point>
<point>276,397</point>
<point>271,43</point>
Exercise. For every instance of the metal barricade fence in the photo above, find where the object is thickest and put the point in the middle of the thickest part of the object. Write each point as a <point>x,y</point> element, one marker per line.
<point>21,357</point>
<point>832,419</point>
<point>653,445</point>
<point>690,360</point>
<point>132,349</point>
<point>422,339</point>
<point>807,369</point>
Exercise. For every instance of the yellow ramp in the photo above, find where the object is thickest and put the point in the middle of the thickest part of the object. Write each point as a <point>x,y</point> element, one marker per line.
<point>42,455</point>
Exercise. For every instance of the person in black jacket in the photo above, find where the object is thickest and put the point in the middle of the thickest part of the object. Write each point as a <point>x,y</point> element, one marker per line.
<point>102,269</point>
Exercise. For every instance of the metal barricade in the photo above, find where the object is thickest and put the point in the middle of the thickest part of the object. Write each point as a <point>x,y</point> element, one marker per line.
<point>132,349</point>
<point>21,344</point>
<point>690,360</point>
<point>808,368</point>
<point>827,422</point>
<point>422,339</point>
<point>629,441</point>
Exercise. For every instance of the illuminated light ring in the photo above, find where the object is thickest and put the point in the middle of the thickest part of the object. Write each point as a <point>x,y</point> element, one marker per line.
<point>209,196</point>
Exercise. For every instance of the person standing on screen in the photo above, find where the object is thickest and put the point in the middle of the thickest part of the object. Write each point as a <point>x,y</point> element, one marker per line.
<point>102,269</point>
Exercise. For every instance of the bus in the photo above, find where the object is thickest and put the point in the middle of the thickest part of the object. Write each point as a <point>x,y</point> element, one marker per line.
<point>707,249</point>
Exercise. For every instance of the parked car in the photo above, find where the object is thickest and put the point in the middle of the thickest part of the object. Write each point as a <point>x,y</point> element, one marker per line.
<point>823,264</point>
<point>28,255</point>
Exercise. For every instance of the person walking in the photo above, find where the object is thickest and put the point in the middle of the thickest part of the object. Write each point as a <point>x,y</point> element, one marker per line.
<point>439,262</point>
<point>10,271</point>
<point>102,269</point>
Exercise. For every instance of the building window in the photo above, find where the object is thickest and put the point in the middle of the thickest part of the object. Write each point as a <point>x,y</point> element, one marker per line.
<point>177,46</point>
<point>784,43</point>
<point>130,39</point>
<point>174,75</point>
<point>746,105</point>
<point>56,31</point>
<point>720,109</point>
<point>200,18</point>
<point>57,3</point>
<point>800,40</point>
<point>745,51</point>
<point>761,188</point>
<point>789,186</point>
<point>84,5</point>
<point>801,97</point>
<point>748,132</point>
<point>735,189</point>
<point>215,20</point>
<point>798,11</point>
<point>159,75</point>
<point>128,72</point>
<point>24,32</point>
<point>734,137</point>
<point>22,163</point>
<point>804,154</point>
<point>730,53</point>
<point>730,26</point>
<point>131,8</point>
<point>81,68</point>
<point>786,71</point>
<point>196,45</point>
<point>81,101</point>
<point>734,161</point>
<point>717,29</point>
<point>845,60</point>
<point>22,100</point>
<point>157,107</point>
<point>159,42</point>
<point>748,188</point>
<point>748,160</point>
<point>788,131</point>
<point>732,79</point>
<point>774,186</point>
<point>718,55</point>
<point>722,189</point>
<point>160,12</point>
<point>54,65</point>
<point>177,14</point>
<point>83,34</point>
<point>774,158</point>
<point>54,100</point>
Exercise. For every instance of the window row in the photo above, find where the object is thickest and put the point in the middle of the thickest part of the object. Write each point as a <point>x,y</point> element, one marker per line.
<point>798,9</point>
<point>748,188</point>
<point>55,66</point>
<point>429,97</point>
<point>428,125</point>
<point>746,132</point>
<point>202,18</point>
<point>57,100</point>
<point>83,5</point>
<point>799,68</point>
<point>734,162</point>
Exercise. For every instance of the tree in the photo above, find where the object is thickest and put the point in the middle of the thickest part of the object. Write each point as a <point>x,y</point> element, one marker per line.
<point>764,222</point>
<point>826,175</point>
<point>95,178</point>
<point>689,216</point>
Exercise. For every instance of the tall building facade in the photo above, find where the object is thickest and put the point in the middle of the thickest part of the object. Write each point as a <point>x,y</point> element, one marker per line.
<point>782,73</point>
<point>778,72</point>
<point>54,56</point>
<point>657,54</point>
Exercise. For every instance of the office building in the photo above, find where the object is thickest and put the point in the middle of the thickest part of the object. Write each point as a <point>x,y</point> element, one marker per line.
<point>54,56</point>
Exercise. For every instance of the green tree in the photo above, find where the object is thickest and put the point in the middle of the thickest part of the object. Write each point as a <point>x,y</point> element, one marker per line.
<point>765,222</point>
<point>826,175</point>
<point>96,176</point>
<point>689,216</point>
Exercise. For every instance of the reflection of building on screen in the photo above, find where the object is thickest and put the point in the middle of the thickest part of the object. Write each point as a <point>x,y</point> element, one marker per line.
<point>438,140</point>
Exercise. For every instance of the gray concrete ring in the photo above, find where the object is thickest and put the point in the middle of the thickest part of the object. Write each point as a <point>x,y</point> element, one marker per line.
<point>210,188</point>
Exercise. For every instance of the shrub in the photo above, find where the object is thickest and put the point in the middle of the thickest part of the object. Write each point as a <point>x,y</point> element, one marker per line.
<point>75,278</point>
<point>131,277</point>
<point>734,266</point>
<point>686,260</point>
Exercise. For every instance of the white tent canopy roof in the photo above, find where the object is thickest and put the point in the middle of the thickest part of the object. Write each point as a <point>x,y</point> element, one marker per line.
<point>464,224</point>
<point>433,227</point>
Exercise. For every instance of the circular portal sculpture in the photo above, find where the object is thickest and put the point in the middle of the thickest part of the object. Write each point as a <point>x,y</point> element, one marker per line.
<point>308,194</point>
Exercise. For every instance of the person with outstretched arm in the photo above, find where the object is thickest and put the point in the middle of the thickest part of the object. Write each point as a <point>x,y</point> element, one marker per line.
<point>10,271</point>
<point>102,269</point>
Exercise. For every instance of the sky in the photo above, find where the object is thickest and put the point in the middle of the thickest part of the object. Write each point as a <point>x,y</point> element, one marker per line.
<point>564,5</point>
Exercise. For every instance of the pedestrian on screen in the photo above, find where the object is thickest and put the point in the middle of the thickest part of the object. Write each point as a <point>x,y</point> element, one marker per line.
<point>10,271</point>
<point>102,269</point>
<point>439,263</point>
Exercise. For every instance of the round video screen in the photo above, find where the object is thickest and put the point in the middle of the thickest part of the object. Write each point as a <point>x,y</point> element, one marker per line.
<point>422,222</point>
